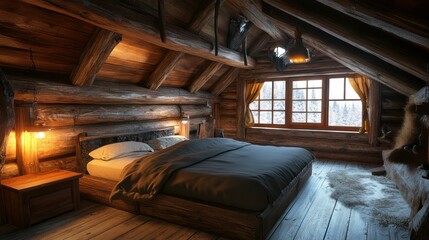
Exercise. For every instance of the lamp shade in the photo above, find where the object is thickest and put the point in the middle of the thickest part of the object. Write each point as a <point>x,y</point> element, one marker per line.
<point>298,53</point>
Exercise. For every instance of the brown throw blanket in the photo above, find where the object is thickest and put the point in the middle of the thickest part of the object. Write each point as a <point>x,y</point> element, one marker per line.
<point>148,175</point>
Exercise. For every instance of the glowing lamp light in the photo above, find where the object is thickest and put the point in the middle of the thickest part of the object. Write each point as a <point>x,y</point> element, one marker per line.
<point>298,53</point>
<point>40,135</point>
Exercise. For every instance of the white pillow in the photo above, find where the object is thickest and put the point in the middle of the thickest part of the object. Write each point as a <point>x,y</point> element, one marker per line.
<point>165,142</point>
<point>113,150</point>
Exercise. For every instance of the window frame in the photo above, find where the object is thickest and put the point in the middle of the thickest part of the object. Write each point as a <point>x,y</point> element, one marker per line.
<point>323,125</point>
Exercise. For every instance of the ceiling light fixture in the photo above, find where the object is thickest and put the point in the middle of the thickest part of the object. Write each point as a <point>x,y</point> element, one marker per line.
<point>298,53</point>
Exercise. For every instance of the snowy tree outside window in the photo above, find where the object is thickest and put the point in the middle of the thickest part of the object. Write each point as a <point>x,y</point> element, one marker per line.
<point>322,103</point>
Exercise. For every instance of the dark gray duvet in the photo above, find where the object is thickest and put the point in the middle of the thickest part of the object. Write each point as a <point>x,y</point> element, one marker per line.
<point>215,170</point>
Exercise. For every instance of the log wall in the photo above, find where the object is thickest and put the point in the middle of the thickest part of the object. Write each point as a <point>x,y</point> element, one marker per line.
<point>63,111</point>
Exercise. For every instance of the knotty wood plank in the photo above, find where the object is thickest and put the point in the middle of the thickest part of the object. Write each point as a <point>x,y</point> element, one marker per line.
<point>339,223</point>
<point>86,208</point>
<point>122,228</point>
<point>160,230</point>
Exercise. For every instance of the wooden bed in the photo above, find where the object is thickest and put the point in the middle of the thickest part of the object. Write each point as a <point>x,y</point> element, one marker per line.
<point>220,220</point>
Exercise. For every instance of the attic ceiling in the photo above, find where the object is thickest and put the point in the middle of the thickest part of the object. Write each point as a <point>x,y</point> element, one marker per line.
<point>387,41</point>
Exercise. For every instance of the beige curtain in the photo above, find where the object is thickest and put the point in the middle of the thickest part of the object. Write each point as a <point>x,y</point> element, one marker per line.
<point>361,85</point>
<point>253,88</point>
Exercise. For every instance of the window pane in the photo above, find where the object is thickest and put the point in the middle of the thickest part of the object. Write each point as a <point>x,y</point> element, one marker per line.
<point>314,117</point>
<point>298,106</point>
<point>299,94</point>
<point>345,113</point>
<point>266,91</point>
<point>299,84</point>
<point>336,88</point>
<point>279,90</point>
<point>279,105</point>
<point>350,92</point>
<point>265,117</point>
<point>279,117</point>
<point>298,117</point>
<point>255,116</point>
<point>315,93</point>
<point>315,106</point>
<point>314,83</point>
<point>266,105</point>
<point>254,105</point>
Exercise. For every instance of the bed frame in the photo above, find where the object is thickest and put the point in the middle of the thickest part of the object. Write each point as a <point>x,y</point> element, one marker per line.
<point>223,221</point>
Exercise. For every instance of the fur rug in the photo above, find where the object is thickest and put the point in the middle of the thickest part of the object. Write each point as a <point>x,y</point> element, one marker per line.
<point>376,197</point>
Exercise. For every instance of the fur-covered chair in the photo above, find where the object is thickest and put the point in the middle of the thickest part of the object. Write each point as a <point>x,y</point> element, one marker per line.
<point>404,163</point>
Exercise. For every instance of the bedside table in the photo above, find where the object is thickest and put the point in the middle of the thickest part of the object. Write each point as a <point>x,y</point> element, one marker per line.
<point>36,197</point>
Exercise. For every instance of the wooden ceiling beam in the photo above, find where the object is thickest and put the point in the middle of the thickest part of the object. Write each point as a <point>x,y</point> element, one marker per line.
<point>346,54</point>
<point>369,39</point>
<point>117,17</point>
<point>170,61</point>
<point>253,12</point>
<point>208,72</point>
<point>97,50</point>
<point>225,80</point>
<point>412,30</point>
<point>259,44</point>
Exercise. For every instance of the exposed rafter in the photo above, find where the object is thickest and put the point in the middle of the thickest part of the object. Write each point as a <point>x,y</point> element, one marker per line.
<point>253,12</point>
<point>414,31</point>
<point>172,58</point>
<point>369,39</point>
<point>225,80</point>
<point>351,57</point>
<point>208,72</point>
<point>94,55</point>
<point>118,18</point>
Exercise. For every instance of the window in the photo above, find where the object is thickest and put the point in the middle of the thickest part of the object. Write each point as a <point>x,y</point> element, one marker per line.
<point>318,103</point>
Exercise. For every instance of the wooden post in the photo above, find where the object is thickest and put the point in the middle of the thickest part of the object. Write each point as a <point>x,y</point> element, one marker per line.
<point>7,120</point>
<point>241,107</point>
<point>26,142</point>
<point>374,112</point>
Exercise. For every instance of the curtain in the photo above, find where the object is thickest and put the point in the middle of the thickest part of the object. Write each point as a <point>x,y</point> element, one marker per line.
<point>253,88</point>
<point>361,86</point>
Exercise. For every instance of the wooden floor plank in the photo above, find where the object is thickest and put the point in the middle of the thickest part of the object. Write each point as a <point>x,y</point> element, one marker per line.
<point>312,215</point>
<point>122,228</point>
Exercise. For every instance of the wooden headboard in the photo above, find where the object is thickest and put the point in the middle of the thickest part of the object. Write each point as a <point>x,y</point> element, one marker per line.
<point>85,144</point>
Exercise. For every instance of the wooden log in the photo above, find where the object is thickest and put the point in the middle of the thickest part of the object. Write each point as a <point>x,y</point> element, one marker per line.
<point>163,69</point>
<point>116,17</point>
<point>10,170</point>
<point>225,80</point>
<point>172,58</point>
<point>65,163</point>
<point>58,115</point>
<point>208,72</point>
<point>396,23</point>
<point>96,52</point>
<point>374,112</point>
<point>62,141</point>
<point>409,58</point>
<point>26,148</point>
<point>27,89</point>
<point>351,57</point>
<point>7,120</point>
<point>252,11</point>
<point>241,109</point>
